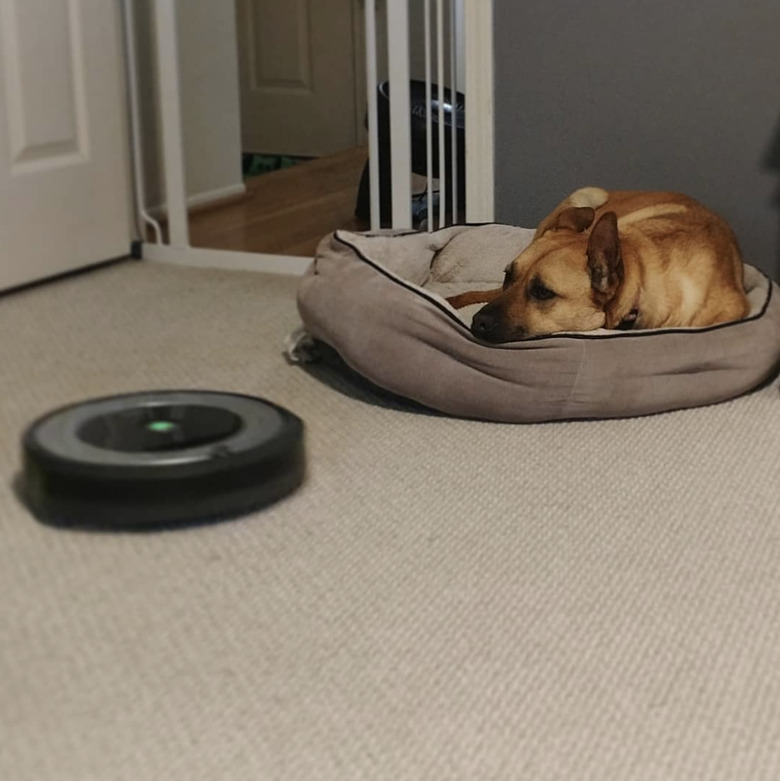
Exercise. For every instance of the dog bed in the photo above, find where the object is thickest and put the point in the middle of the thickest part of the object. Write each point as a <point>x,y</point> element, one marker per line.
<point>378,299</point>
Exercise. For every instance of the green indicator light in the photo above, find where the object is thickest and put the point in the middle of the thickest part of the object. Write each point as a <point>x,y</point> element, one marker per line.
<point>161,426</point>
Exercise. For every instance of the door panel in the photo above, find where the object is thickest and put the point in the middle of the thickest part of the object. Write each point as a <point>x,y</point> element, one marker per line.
<point>297,61</point>
<point>64,177</point>
<point>44,107</point>
<point>281,45</point>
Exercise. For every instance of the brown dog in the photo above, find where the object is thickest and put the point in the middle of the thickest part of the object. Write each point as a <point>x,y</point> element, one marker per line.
<point>616,260</point>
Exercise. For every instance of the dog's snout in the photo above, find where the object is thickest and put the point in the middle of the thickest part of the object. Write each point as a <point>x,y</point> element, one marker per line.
<point>484,323</point>
<point>489,324</point>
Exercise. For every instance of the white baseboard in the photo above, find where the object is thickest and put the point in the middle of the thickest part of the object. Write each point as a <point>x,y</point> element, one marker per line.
<point>480,163</point>
<point>197,257</point>
<point>202,199</point>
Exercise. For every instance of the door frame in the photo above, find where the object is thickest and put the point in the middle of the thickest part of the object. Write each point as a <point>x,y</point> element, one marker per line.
<point>478,26</point>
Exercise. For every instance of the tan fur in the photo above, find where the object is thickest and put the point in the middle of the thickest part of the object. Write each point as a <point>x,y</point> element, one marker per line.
<point>670,262</point>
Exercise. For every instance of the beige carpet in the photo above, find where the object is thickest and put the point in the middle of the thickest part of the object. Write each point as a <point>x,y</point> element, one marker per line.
<point>443,599</point>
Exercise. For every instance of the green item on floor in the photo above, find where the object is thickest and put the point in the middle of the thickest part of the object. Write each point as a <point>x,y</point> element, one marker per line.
<point>255,164</point>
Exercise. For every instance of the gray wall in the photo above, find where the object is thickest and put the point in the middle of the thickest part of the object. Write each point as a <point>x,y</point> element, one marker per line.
<point>636,95</point>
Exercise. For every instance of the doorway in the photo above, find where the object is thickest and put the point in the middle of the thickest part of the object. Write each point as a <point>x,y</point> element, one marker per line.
<point>301,95</point>
<point>298,76</point>
<point>211,202</point>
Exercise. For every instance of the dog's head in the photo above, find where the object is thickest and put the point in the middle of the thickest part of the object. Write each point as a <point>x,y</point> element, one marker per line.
<point>561,282</point>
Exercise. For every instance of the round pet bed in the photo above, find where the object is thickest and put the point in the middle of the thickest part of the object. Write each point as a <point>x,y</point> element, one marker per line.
<point>378,299</point>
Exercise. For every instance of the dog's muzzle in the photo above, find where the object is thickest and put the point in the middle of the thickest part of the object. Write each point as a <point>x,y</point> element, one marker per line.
<point>484,324</point>
<point>488,325</point>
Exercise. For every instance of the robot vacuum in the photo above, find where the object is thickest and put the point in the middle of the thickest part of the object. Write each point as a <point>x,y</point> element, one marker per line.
<point>160,458</point>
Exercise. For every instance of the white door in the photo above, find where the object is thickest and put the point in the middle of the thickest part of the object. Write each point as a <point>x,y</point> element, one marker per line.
<point>64,175</point>
<point>298,75</point>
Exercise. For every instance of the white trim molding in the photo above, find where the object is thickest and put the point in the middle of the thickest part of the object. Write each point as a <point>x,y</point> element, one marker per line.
<point>226,260</point>
<point>171,121</point>
<point>371,103</point>
<point>480,158</point>
<point>400,112</point>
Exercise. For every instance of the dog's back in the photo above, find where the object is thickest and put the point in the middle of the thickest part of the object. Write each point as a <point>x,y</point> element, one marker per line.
<point>685,258</point>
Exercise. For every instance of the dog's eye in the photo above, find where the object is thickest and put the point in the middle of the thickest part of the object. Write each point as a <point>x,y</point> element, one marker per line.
<point>540,292</point>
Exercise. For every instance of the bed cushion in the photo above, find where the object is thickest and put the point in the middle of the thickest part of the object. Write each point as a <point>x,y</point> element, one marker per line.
<point>378,299</point>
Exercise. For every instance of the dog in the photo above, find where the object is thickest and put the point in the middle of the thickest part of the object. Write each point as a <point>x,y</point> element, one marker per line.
<point>616,260</point>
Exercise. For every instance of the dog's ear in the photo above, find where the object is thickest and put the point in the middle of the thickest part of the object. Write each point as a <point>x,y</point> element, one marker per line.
<point>605,263</point>
<point>574,218</point>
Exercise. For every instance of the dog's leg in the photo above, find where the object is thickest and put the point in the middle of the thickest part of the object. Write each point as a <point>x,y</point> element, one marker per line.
<point>474,297</point>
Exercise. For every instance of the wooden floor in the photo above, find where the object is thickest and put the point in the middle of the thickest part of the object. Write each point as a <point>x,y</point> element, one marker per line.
<point>286,212</point>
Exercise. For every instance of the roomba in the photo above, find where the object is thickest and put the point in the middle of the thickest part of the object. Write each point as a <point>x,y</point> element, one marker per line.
<point>160,458</point>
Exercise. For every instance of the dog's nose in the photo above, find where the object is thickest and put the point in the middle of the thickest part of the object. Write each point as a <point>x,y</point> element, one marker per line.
<point>484,323</point>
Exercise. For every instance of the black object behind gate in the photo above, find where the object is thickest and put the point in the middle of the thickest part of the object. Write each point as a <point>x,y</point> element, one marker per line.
<point>426,203</point>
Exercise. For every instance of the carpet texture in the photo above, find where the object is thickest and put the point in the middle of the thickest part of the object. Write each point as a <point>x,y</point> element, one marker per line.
<point>442,599</point>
